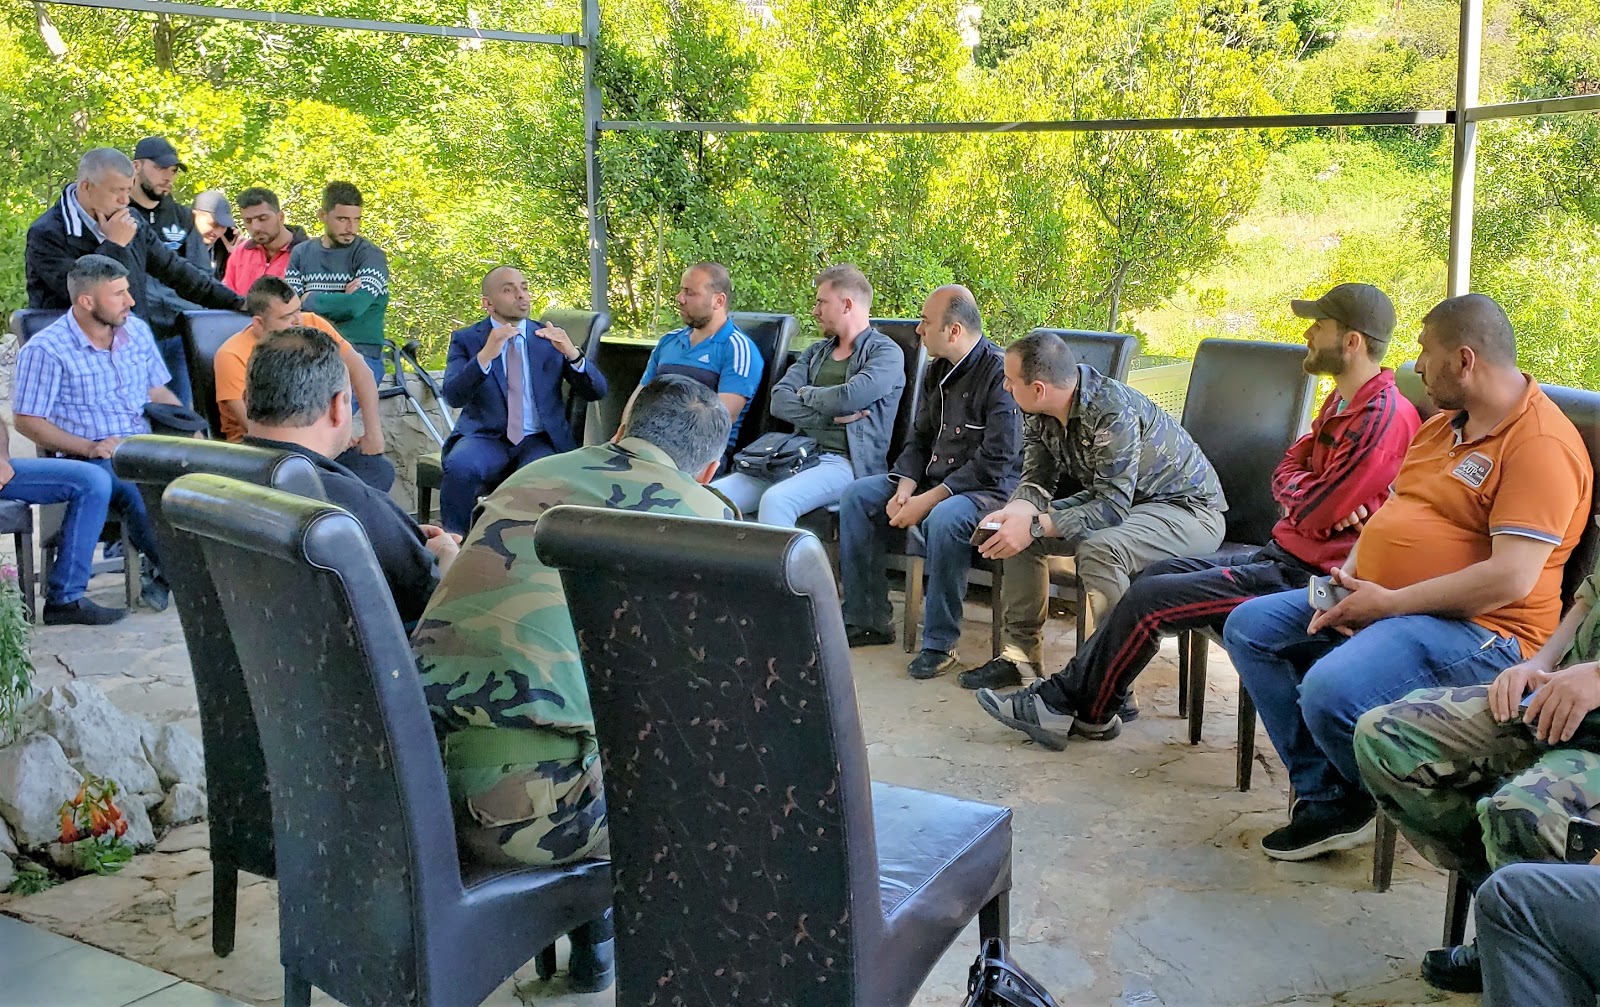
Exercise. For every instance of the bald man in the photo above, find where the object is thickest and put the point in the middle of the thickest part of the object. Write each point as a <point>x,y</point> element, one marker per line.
<point>962,461</point>
<point>505,373</point>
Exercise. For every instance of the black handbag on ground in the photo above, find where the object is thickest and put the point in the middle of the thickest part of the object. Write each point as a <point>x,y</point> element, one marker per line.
<point>996,981</point>
<point>777,456</point>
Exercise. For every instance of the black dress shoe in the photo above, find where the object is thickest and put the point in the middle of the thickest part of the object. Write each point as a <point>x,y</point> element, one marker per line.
<point>1456,969</point>
<point>931,664</point>
<point>1000,673</point>
<point>863,636</point>
<point>82,612</point>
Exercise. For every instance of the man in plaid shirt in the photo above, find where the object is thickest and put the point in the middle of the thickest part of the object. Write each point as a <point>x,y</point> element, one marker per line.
<point>82,385</point>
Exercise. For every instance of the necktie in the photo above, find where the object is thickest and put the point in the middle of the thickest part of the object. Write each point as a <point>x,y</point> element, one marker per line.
<point>516,377</point>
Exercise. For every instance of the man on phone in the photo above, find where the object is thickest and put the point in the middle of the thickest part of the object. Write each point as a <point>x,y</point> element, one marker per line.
<point>1456,578</point>
<point>1486,776</point>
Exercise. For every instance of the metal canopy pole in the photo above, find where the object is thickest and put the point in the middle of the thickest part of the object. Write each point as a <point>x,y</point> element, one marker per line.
<point>599,278</point>
<point>1464,157</point>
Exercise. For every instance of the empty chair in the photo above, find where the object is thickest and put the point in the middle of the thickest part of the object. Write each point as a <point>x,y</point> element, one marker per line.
<point>1247,402</point>
<point>375,907</point>
<point>204,332</point>
<point>584,328</point>
<point>29,322</point>
<point>239,808</point>
<point>754,860</point>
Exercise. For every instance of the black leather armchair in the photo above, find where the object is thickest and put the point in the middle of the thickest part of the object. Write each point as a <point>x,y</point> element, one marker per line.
<point>240,810</point>
<point>203,333</point>
<point>375,907</point>
<point>771,333</point>
<point>584,328</point>
<point>754,860</point>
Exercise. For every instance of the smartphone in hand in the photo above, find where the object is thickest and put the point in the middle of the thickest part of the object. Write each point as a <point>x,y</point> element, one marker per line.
<point>983,532</point>
<point>1583,841</point>
<point>1323,593</point>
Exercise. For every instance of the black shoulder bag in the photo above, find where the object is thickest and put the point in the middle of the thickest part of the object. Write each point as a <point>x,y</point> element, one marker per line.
<point>777,456</point>
<point>996,981</point>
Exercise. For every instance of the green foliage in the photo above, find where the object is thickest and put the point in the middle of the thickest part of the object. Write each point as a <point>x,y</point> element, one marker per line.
<point>32,879</point>
<point>16,665</point>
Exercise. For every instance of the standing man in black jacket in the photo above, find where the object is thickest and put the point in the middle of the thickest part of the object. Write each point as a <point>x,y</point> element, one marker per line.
<point>962,461</point>
<point>92,217</point>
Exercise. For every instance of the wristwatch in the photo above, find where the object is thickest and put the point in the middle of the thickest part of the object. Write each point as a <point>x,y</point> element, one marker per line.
<point>1036,527</point>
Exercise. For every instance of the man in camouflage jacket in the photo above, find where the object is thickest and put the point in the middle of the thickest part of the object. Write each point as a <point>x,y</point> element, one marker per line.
<point>1477,781</point>
<point>496,650</point>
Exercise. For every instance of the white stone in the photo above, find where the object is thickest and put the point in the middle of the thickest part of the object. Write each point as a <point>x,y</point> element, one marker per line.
<point>35,779</point>
<point>8,846</point>
<point>140,832</point>
<point>178,757</point>
<point>100,739</point>
<point>187,837</point>
<point>184,803</point>
<point>7,872</point>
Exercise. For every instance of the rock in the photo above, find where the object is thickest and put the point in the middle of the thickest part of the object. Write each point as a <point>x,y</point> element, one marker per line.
<point>35,780</point>
<point>184,803</point>
<point>178,757</point>
<point>187,837</point>
<point>191,903</point>
<point>140,833</point>
<point>100,739</point>
<point>8,846</point>
<point>8,873</point>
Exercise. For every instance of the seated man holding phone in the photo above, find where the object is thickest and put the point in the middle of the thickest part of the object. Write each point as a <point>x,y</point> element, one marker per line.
<point>1455,579</point>
<point>1490,775</point>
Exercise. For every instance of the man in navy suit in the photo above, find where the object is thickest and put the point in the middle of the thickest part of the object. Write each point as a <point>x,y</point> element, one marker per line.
<point>504,373</point>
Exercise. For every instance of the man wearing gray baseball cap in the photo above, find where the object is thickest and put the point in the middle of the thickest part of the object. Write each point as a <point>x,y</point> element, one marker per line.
<point>1359,307</point>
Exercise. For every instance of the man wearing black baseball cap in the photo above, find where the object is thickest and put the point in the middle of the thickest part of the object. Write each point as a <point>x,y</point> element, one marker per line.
<point>1359,307</point>
<point>155,166</point>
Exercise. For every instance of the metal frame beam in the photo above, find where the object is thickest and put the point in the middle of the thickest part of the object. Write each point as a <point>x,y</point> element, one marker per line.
<point>1464,156</point>
<point>1428,117</point>
<point>1536,106</point>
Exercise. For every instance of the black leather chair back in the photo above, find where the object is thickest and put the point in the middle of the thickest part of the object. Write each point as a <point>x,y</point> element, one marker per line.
<point>203,332</point>
<point>361,815</point>
<point>29,322</point>
<point>1410,385</point>
<point>1247,402</point>
<point>1110,353</point>
<point>771,333</point>
<point>585,329</point>
<point>1582,407</point>
<point>904,332</point>
<point>719,674</point>
<point>240,810</point>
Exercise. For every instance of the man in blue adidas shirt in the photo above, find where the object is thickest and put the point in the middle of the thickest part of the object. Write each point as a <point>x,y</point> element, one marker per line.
<point>709,348</point>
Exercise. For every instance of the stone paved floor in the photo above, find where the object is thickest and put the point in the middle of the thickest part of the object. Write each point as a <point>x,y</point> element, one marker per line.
<point>1136,877</point>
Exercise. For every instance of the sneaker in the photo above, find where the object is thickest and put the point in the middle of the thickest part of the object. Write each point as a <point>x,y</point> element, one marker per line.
<point>111,550</point>
<point>82,612</point>
<point>1456,969</point>
<point>863,636</point>
<point>1319,827</point>
<point>1000,673</point>
<point>1130,710</point>
<point>153,590</point>
<point>1026,712</point>
<point>930,664</point>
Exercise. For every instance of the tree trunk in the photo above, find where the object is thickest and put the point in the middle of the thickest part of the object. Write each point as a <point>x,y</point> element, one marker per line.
<point>163,39</point>
<point>47,31</point>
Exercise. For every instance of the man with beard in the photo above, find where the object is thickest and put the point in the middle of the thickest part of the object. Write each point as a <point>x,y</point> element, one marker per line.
<point>155,167</point>
<point>266,253</point>
<point>1326,483</point>
<point>504,373</point>
<point>344,277</point>
<point>82,386</point>
<point>843,392</point>
<point>709,348</point>
<point>1456,578</point>
<point>93,217</point>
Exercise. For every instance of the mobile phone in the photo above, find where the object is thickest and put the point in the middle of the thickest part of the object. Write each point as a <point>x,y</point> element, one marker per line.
<point>1323,593</point>
<point>982,533</point>
<point>1583,841</point>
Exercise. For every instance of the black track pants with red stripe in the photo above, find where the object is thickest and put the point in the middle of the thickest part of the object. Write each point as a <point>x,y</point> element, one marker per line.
<point>1165,599</point>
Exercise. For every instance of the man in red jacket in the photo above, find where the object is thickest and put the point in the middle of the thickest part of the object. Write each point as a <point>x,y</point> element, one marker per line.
<point>1329,481</point>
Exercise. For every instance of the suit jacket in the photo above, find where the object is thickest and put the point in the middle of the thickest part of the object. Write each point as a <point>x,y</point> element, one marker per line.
<point>482,397</point>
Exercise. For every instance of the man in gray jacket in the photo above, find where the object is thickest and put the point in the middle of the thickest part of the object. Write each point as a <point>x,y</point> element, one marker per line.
<point>844,391</point>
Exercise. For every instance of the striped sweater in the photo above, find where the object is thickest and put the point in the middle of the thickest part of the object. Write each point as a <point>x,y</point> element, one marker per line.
<point>319,275</point>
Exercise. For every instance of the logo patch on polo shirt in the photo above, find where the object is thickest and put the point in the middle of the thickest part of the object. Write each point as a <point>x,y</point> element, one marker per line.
<point>705,358</point>
<point>1474,469</point>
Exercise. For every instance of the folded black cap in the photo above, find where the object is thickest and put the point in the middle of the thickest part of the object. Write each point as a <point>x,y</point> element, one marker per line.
<point>172,420</point>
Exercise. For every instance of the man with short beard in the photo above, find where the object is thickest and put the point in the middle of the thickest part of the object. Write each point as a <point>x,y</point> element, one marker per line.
<point>266,253</point>
<point>344,277</point>
<point>1455,579</point>
<point>1326,484</point>
<point>155,168</point>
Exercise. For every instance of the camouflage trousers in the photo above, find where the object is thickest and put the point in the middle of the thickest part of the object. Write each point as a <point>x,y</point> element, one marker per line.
<point>1470,793</point>
<point>543,814</point>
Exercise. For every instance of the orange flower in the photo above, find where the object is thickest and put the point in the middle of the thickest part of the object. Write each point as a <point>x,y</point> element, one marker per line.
<point>69,830</point>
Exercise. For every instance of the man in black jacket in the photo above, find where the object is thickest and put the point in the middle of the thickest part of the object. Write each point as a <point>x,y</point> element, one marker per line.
<point>961,462</point>
<point>92,217</point>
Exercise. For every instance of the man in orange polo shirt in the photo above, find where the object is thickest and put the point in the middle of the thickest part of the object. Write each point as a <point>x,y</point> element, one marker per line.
<point>273,305</point>
<point>1455,578</point>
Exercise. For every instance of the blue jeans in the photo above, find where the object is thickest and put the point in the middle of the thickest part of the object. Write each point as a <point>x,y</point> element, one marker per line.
<point>864,550</point>
<point>475,465</point>
<point>128,505</point>
<point>172,355</point>
<point>1311,690</point>
<point>373,355</point>
<point>1537,936</point>
<point>86,490</point>
<point>782,503</point>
